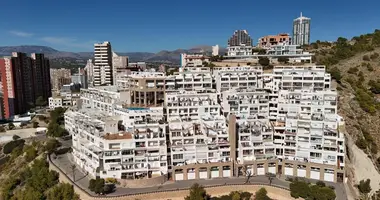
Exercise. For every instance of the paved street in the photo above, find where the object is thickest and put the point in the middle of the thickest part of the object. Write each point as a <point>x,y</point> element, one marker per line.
<point>81,179</point>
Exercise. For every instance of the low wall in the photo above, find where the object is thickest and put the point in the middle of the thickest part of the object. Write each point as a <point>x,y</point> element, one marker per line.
<point>148,182</point>
<point>275,192</point>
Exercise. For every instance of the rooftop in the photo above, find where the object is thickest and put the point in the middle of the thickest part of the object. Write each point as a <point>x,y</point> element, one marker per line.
<point>117,136</point>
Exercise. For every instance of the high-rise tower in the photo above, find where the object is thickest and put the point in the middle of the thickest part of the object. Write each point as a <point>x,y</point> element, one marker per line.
<point>301,30</point>
<point>102,70</point>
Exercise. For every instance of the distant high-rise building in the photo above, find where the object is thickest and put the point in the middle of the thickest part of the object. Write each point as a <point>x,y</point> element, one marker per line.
<point>103,71</point>
<point>215,50</point>
<point>240,37</point>
<point>89,68</point>
<point>120,64</point>
<point>301,30</point>
<point>24,80</point>
<point>59,77</point>
<point>80,78</point>
<point>240,44</point>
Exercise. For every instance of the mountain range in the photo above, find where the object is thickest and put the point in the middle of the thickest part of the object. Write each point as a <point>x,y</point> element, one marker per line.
<point>170,57</point>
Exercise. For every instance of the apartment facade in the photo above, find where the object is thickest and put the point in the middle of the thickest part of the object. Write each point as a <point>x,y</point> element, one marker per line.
<point>59,77</point>
<point>103,68</point>
<point>226,122</point>
<point>240,44</point>
<point>24,80</point>
<point>272,40</point>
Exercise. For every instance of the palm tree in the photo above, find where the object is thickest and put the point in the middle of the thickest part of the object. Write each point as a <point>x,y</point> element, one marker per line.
<point>73,167</point>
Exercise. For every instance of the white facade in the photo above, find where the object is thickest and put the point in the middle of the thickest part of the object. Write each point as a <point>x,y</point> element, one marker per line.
<point>239,51</point>
<point>128,145</point>
<point>55,102</point>
<point>103,70</point>
<point>192,60</point>
<point>215,50</point>
<point>286,113</point>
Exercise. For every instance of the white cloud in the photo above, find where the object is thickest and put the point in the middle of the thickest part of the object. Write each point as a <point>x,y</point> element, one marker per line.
<point>21,33</point>
<point>68,42</point>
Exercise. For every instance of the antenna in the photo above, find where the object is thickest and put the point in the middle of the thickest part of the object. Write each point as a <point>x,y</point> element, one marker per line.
<point>301,14</point>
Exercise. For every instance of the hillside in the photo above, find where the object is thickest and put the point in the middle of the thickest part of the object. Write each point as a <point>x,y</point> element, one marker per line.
<point>355,66</point>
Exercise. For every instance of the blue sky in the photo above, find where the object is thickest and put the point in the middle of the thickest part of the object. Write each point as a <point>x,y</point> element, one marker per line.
<point>151,25</point>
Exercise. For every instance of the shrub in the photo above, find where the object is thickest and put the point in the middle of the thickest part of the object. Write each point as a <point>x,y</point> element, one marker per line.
<point>61,151</point>
<point>35,124</point>
<point>361,143</point>
<point>321,184</point>
<point>111,180</point>
<point>374,56</point>
<point>364,186</point>
<point>369,67</point>
<point>353,70</point>
<point>2,129</point>
<point>335,73</point>
<point>97,185</point>
<point>11,126</point>
<point>264,61</point>
<point>366,58</point>
<point>283,59</point>
<point>10,146</point>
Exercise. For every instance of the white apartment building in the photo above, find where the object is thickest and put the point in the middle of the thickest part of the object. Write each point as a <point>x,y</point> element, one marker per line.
<point>192,60</point>
<point>215,50</point>
<point>102,69</point>
<point>190,79</point>
<point>230,121</point>
<point>129,145</point>
<point>104,98</point>
<point>227,78</point>
<point>55,102</point>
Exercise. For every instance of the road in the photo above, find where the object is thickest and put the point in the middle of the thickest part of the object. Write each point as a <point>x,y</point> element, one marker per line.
<point>64,163</point>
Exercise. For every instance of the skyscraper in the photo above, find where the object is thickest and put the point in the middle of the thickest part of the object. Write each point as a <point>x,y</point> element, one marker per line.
<point>239,38</point>
<point>23,80</point>
<point>301,30</point>
<point>102,71</point>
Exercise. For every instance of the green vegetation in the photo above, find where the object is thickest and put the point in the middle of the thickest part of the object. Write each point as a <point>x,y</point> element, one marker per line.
<point>63,191</point>
<point>26,174</point>
<point>262,194</point>
<point>11,126</point>
<point>283,59</point>
<point>235,195</point>
<point>35,124</point>
<point>306,190</point>
<point>55,128</point>
<point>40,101</point>
<point>259,51</point>
<point>264,61</point>
<point>366,58</point>
<point>12,145</point>
<point>335,73</point>
<point>197,192</point>
<point>99,186</point>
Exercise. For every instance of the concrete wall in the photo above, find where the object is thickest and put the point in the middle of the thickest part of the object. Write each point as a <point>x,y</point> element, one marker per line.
<point>143,182</point>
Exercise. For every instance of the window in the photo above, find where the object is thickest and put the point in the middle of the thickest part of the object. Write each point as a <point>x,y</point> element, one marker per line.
<point>177,156</point>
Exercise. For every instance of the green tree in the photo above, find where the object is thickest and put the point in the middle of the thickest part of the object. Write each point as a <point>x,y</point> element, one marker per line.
<point>11,126</point>
<point>197,192</point>
<point>97,185</point>
<point>62,191</point>
<point>299,189</point>
<point>35,124</point>
<point>364,186</point>
<point>264,61</point>
<point>262,194</point>
<point>2,129</point>
<point>40,101</point>
<point>51,145</point>
<point>283,59</point>
<point>335,73</point>
<point>30,153</point>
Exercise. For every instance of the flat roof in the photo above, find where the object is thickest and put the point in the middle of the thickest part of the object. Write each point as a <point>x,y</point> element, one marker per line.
<point>117,136</point>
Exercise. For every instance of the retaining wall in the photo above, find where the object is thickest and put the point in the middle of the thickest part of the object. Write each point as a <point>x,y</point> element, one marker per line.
<point>274,191</point>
